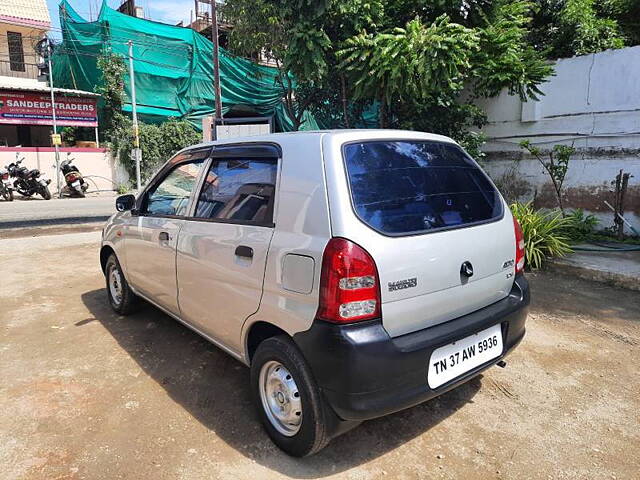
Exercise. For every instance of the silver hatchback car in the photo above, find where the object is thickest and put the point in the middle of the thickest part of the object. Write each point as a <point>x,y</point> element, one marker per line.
<point>357,272</point>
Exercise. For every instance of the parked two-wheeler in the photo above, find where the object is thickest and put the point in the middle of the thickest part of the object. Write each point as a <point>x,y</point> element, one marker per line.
<point>75,183</point>
<point>6,187</point>
<point>28,182</point>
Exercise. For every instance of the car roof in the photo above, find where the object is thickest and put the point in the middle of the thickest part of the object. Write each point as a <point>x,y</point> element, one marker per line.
<point>345,135</point>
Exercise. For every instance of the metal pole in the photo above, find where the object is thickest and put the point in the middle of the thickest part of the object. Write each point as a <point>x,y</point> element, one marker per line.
<point>53,116</point>
<point>216,61</point>
<point>97,138</point>
<point>136,153</point>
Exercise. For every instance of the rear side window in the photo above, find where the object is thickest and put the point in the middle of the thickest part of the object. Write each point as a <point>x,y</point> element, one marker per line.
<point>239,191</point>
<point>408,187</point>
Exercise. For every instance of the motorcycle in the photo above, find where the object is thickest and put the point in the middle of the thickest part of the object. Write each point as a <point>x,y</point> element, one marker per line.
<point>6,188</point>
<point>76,184</point>
<point>28,182</point>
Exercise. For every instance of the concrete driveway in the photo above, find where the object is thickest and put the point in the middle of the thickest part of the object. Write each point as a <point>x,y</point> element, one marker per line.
<point>85,394</point>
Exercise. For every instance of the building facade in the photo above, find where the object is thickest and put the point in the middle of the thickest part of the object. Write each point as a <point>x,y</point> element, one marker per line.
<point>26,112</point>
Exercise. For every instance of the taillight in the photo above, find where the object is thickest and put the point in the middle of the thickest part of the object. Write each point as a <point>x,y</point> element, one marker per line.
<point>519,246</point>
<point>349,284</point>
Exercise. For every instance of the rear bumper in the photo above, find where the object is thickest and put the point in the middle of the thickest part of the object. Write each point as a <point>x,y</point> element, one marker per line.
<point>364,373</point>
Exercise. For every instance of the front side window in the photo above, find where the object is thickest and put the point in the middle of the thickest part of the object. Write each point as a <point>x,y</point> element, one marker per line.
<point>408,187</point>
<point>171,195</point>
<point>16,51</point>
<point>239,190</point>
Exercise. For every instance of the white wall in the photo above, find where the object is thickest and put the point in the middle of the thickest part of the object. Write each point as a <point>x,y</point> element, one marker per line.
<point>592,103</point>
<point>98,164</point>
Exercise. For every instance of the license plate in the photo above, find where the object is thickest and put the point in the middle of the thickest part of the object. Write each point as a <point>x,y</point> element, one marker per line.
<point>459,357</point>
<point>76,184</point>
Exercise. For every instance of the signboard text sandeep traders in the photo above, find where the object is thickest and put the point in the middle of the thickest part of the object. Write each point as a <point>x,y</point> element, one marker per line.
<point>34,108</point>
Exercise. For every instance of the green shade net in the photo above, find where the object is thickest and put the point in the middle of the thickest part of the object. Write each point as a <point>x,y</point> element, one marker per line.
<point>173,69</point>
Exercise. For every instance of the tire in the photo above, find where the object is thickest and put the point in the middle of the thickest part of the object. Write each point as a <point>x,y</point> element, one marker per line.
<point>312,433</point>
<point>8,195</point>
<point>46,193</point>
<point>121,298</point>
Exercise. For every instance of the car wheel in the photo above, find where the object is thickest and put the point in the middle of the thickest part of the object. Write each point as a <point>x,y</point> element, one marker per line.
<point>121,297</point>
<point>287,398</point>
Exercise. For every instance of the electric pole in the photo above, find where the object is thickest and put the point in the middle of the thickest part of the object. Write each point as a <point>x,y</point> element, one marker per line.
<point>216,62</point>
<point>55,141</point>
<point>136,153</point>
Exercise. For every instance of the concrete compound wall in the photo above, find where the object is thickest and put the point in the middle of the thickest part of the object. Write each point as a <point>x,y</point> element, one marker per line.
<point>96,163</point>
<point>592,103</point>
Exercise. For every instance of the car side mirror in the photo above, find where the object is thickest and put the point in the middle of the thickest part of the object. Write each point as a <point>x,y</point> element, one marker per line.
<point>125,203</point>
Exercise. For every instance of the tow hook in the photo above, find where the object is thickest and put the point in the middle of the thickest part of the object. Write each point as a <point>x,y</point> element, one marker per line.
<point>502,364</point>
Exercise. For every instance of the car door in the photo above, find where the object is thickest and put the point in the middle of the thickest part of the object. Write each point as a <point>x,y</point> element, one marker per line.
<point>152,235</point>
<point>222,248</point>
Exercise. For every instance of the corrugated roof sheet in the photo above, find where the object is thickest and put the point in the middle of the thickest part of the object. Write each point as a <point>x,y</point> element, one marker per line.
<point>29,10</point>
<point>30,85</point>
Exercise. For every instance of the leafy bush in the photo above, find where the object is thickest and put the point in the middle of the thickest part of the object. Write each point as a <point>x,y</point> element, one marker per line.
<point>580,226</point>
<point>544,233</point>
<point>123,188</point>
<point>157,142</point>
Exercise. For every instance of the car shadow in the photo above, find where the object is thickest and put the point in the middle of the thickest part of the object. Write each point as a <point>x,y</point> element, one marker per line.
<point>214,388</point>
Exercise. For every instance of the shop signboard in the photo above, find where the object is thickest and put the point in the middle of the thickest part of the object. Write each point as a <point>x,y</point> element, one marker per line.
<point>34,108</point>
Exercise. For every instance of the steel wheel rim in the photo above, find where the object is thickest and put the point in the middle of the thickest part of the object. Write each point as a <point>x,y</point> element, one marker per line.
<point>115,285</point>
<point>280,398</point>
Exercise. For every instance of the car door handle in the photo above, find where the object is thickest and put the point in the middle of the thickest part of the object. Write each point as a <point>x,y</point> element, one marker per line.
<point>164,236</point>
<point>244,251</point>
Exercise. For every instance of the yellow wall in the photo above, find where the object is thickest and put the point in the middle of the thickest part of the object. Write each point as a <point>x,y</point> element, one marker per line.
<point>30,36</point>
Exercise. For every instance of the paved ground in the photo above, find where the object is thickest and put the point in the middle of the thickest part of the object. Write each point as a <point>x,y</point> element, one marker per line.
<point>24,212</point>
<point>618,268</point>
<point>86,394</point>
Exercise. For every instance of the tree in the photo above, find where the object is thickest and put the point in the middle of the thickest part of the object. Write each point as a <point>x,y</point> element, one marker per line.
<point>267,28</point>
<point>556,165</point>
<point>504,57</point>
<point>564,28</point>
<point>420,71</point>
<point>111,87</point>
<point>158,142</point>
<point>410,58</point>
<point>301,37</point>
<point>583,31</point>
<point>419,62</point>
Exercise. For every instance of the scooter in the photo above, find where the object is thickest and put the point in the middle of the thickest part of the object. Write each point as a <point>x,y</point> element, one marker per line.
<point>6,188</point>
<point>28,182</point>
<point>76,184</point>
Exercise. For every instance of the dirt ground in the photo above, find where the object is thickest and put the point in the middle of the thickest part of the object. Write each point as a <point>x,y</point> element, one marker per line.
<point>86,394</point>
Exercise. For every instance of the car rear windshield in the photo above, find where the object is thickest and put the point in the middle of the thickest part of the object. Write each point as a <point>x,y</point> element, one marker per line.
<point>408,187</point>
